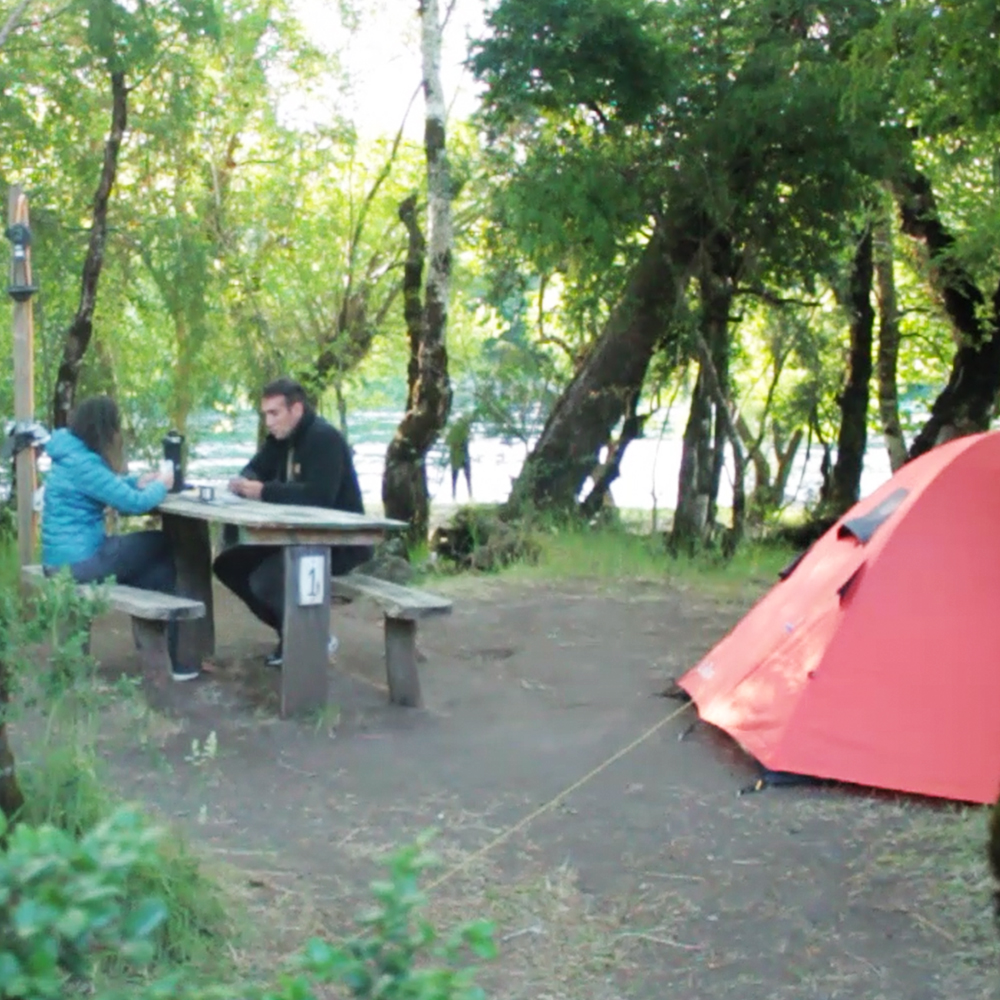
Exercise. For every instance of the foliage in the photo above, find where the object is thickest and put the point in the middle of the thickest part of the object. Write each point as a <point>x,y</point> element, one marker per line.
<point>253,231</point>
<point>65,900</point>
<point>60,778</point>
<point>515,386</point>
<point>69,900</point>
<point>65,787</point>
<point>58,614</point>
<point>398,955</point>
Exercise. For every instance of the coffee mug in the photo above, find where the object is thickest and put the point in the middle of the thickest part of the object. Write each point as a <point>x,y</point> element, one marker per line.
<point>206,493</point>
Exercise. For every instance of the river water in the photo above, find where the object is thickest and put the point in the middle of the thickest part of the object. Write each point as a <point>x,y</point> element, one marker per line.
<point>648,478</point>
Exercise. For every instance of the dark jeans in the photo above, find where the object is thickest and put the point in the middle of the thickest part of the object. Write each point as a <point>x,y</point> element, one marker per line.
<point>256,575</point>
<point>467,469</point>
<point>142,559</point>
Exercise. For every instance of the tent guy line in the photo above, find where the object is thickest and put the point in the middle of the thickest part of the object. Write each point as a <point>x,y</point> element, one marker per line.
<point>501,838</point>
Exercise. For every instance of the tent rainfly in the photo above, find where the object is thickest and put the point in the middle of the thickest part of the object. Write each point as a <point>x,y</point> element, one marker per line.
<point>876,659</point>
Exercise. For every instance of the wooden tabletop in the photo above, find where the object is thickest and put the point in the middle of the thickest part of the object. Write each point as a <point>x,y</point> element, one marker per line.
<point>279,523</point>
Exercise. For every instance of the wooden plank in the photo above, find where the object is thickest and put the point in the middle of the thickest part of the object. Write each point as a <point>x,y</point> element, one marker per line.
<point>404,603</point>
<point>306,630</point>
<point>274,516</point>
<point>308,536</point>
<point>401,662</point>
<point>192,548</point>
<point>24,397</point>
<point>149,605</point>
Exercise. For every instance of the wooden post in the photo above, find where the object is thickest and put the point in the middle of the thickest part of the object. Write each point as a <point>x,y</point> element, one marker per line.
<point>401,662</point>
<point>191,544</point>
<point>306,632</point>
<point>24,395</point>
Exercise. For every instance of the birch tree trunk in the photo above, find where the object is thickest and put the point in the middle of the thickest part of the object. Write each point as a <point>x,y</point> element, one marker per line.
<point>11,23</point>
<point>404,483</point>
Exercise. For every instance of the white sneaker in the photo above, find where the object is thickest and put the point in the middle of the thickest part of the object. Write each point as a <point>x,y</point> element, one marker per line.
<point>332,646</point>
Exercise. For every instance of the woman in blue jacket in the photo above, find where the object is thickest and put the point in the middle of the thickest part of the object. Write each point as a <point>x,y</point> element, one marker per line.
<point>82,482</point>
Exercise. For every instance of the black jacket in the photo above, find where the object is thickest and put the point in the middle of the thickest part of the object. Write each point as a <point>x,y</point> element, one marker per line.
<point>312,467</point>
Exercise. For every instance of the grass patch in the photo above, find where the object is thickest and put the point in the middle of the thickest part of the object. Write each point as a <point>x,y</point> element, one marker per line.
<point>618,554</point>
<point>942,854</point>
<point>10,566</point>
<point>63,786</point>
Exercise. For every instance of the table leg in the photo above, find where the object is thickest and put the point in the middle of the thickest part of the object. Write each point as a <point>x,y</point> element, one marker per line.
<point>306,631</point>
<point>192,548</point>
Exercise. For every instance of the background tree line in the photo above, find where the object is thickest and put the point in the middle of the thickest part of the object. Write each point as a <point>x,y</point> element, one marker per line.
<point>782,210</point>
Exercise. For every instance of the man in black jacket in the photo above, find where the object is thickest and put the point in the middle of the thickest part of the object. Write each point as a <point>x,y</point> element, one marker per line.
<point>304,460</point>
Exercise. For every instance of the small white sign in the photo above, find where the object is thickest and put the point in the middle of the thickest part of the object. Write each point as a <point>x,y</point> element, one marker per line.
<point>312,585</point>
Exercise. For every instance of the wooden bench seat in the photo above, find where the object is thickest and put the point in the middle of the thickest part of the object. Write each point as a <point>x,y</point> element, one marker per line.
<point>403,608</point>
<point>150,611</point>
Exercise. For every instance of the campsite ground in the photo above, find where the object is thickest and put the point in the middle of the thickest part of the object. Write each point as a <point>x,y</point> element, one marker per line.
<point>652,879</point>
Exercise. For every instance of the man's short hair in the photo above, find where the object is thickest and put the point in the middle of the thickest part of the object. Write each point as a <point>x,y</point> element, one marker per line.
<point>287,387</point>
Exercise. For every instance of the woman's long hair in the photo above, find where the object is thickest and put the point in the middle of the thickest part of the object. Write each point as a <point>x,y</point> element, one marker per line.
<point>97,423</point>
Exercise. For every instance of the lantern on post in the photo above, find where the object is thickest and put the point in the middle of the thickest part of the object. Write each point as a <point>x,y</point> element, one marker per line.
<point>20,288</point>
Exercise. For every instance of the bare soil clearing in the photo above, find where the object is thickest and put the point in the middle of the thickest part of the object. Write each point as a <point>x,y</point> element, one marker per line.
<point>654,879</point>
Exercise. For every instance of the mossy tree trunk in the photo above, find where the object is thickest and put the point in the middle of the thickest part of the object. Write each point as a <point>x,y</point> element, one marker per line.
<point>404,482</point>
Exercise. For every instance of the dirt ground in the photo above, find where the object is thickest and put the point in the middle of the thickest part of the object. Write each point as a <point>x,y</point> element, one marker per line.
<point>653,879</point>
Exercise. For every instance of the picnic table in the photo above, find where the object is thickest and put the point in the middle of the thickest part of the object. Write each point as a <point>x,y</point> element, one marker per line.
<point>306,534</point>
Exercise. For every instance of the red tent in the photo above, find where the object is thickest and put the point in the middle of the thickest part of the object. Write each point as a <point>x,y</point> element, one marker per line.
<point>876,660</point>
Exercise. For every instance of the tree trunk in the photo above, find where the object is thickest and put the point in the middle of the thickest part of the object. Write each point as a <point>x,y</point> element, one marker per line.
<point>610,470</point>
<point>852,438</point>
<point>888,339</point>
<point>78,335</point>
<point>183,397</point>
<point>338,389</point>
<point>404,483</point>
<point>585,415</point>
<point>767,495</point>
<point>703,457</point>
<point>715,387</point>
<point>11,797</point>
<point>413,281</point>
<point>694,481</point>
<point>825,464</point>
<point>965,403</point>
<point>717,294</point>
<point>761,501</point>
<point>786,456</point>
<point>11,23</point>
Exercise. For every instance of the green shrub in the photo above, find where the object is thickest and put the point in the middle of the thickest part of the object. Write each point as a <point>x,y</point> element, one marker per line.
<point>65,900</point>
<point>398,955</point>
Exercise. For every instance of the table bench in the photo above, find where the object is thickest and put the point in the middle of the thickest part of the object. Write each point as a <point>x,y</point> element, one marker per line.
<point>306,534</point>
<point>403,608</point>
<point>150,611</point>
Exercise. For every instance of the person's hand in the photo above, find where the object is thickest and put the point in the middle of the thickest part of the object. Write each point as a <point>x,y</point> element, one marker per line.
<point>145,479</point>
<point>166,476</point>
<point>250,489</point>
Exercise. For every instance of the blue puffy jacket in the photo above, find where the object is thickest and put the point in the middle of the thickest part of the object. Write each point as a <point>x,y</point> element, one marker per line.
<point>77,490</point>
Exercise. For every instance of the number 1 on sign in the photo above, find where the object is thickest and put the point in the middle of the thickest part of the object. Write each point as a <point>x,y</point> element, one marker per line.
<point>312,585</point>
